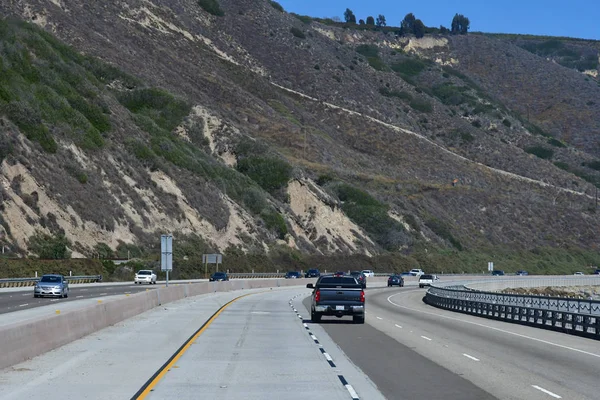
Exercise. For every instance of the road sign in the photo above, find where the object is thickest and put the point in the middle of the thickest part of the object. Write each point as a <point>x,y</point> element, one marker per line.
<point>166,252</point>
<point>212,258</point>
<point>490,266</point>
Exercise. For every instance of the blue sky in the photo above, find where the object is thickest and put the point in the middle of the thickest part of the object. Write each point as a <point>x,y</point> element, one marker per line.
<point>573,18</point>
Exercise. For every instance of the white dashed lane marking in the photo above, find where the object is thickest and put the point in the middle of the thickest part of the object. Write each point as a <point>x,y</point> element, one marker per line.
<point>471,357</point>
<point>426,338</point>
<point>549,393</point>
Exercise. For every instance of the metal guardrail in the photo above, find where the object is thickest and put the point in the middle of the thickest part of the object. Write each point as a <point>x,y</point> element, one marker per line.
<point>20,282</point>
<point>573,316</point>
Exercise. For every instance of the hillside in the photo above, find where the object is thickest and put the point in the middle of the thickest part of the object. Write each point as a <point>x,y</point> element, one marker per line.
<point>257,132</point>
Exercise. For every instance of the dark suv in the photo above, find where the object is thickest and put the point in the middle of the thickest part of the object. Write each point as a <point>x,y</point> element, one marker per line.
<point>312,273</point>
<point>218,276</point>
<point>360,278</point>
<point>497,272</point>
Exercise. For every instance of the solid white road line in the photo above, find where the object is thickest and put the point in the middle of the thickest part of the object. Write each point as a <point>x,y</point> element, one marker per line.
<point>471,357</point>
<point>398,326</point>
<point>426,338</point>
<point>541,389</point>
<point>493,328</point>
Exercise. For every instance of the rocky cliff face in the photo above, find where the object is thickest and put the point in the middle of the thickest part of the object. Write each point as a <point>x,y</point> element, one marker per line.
<point>451,140</point>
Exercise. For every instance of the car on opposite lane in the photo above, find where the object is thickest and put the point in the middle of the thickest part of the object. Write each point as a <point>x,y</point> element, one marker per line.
<point>497,272</point>
<point>54,285</point>
<point>416,272</point>
<point>522,273</point>
<point>395,280</point>
<point>293,275</point>
<point>368,273</point>
<point>145,276</point>
<point>218,276</point>
<point>312,273</point>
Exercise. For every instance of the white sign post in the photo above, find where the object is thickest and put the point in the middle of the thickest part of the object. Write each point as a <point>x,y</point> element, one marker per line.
<point>166,254</point>
<point>490,266</point>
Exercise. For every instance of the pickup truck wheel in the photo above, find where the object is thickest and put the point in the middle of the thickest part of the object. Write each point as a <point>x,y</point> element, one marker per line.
<point>358,320</point>
<point>315,317</point>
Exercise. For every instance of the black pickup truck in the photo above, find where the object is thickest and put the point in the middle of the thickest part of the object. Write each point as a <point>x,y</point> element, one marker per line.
<point>337,296</point>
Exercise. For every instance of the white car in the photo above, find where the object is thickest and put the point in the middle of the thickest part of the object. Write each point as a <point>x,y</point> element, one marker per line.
<point>145,276</point>
<point>368,273</point>
<point>578,273</point>
<point>416,272</point>
<point>427,280</point>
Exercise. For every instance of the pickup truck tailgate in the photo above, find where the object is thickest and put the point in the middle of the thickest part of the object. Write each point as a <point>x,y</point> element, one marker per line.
<point>339,296</point>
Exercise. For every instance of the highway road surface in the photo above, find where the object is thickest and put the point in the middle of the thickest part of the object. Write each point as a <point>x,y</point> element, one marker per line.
<point>262,346</point>
<point>428,347</point>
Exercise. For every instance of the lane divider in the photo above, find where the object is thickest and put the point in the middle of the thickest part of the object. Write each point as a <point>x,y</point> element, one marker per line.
<point>549,393</point>
<point>328,358</point>
<point>158,375</point>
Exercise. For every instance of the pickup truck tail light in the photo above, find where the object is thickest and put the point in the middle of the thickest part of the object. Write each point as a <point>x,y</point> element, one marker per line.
<point>317,296</point>
<point>362,296</point>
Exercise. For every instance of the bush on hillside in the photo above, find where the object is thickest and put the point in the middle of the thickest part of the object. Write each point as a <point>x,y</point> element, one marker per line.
<point>211,7</point>
<point>297,32</point>
<point>540,151</point>
<point>49,247</point>
<point>272,174</point>
<point>276,5</point>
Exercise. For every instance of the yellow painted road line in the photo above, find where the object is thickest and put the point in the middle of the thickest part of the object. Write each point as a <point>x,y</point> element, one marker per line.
<point>153,381</point>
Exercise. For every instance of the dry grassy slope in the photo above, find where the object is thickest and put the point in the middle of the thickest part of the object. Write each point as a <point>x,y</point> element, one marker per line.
<point>564,102</point>
<point>226,66</point>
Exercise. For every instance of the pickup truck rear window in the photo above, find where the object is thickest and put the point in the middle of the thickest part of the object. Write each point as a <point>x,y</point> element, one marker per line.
<point>334,281</point>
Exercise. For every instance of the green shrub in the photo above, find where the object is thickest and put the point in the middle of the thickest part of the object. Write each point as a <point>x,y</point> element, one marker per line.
<point>276,6</point>
<point>377,64</point>
<point>324,179</point>
<point>441,229</point>
<point>562,165</point>
<point>410,67</point>
<point>368,50</point>
<point>297,32</point>
<point>275,222</point>
<point>371,215</point>
<point>272,174</point>
<point>476,123</point>
<point>158,105</point>
<point>421,105</point>
<point>506,123</point>
<point>593,165</point>
<point>304,18</point>
<point>393,93</point>
<point>450,94</point>
<point>49,247</point>
<point>255,200</point>
<point>211,7</point>
<point>556,142</point>
<point>540,152</point>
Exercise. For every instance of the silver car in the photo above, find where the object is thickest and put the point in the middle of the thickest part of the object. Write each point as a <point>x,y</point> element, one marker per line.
<point>51,285</point>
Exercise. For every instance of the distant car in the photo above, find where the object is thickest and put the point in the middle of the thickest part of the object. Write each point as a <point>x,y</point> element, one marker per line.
<point>339,273</point>
<point>427,280</point>
<point>51,285</point>
<point>396,280</point>
<point>578,273</point>
<point>145,276</point>
<point>407,273</point>
<point>293,275</point>
<point>368,273</point>
<point>416,272</point>
<point>522,273</point>
<point>597,272</point>
<point>312,273</point>
<point>218,276</point>
<point>360,277</point>
<point>497,272</point>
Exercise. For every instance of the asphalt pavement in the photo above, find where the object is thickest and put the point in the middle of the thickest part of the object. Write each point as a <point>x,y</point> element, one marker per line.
<point>417,349</point>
